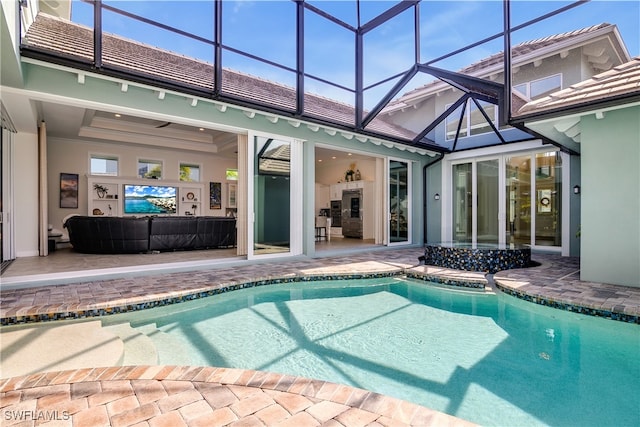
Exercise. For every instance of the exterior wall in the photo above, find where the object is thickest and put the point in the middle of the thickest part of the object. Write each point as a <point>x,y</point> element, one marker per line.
<point>434,207</point>
<point>610,236</point>
<point>62,87</point>
<point>574,207</point>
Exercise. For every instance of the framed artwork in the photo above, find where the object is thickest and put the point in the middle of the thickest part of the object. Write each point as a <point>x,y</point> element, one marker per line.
<point>69,190</point>
<point>215,195</point>
<point>231,203</point>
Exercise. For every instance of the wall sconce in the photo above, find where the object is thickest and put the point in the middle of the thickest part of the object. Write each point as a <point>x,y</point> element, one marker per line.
<point>576,189</point>
<point>436,196</point>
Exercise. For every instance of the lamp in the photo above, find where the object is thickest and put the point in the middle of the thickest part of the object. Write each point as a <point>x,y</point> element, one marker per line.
<point>576,189</point>
<point>436,196</point>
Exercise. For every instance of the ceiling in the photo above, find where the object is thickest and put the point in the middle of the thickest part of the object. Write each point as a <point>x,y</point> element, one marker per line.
<point>70,122</point>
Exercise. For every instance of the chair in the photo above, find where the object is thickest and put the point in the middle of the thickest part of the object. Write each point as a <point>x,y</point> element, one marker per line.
<point>323,228</point>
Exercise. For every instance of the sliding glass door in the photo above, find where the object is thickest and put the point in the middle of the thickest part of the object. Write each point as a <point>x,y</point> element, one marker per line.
<point>398,201</point>
<point>509,199</point>
<point>273,196</point>
<point>475,202</point>
<point>534,199</point>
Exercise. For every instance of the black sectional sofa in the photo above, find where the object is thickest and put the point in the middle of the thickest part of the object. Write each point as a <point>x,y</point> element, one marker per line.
<point>122,235</point>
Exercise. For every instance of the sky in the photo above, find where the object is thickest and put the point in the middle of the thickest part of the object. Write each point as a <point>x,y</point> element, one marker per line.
<point>266,28</point>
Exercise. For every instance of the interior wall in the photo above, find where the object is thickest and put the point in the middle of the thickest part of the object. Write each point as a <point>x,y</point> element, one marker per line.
<point>333,171</point>
<point>73,156</point>
<point>610,195</point>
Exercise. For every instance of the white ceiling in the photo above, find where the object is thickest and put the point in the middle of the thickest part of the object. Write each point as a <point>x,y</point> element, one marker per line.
<point>70,122</point>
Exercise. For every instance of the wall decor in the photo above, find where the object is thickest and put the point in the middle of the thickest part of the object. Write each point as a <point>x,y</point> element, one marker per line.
<point>69,190</point>
<point>215,195</point>
<point>232,195</point>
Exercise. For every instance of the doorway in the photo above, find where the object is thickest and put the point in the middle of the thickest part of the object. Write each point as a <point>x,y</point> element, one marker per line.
<point>506,199</point>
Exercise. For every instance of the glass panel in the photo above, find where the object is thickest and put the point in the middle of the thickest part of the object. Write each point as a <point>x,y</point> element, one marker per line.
<point>398,201</point>
<point>462,207</point>
<point>272,196</point>
<point>149,169</point>
<point>548,197</point>
<point>543,87</point>
<point>518,170</point>
<point>104,166</point>
<point>488,201</point>
<point>452,123</point>
<point>189,173</point>
<point>478,123</point>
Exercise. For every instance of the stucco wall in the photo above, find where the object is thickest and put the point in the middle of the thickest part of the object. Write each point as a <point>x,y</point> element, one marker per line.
<point>610,236</point>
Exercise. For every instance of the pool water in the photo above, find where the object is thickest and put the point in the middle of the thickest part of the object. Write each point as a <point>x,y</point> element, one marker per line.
<point>490,359</point>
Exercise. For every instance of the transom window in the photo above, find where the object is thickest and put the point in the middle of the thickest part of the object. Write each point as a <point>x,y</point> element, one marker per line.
<point>103,165</point>
<point>232,174</point>
<point>189,172</point>
<point>151,169</point>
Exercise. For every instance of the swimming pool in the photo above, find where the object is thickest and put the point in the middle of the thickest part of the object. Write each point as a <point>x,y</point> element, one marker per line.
<point>491,359</point>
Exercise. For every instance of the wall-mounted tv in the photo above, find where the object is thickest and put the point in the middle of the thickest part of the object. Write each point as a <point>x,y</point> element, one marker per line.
<point>149,199</point>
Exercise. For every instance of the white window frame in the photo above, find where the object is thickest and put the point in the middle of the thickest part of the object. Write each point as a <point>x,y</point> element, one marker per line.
<point>527,85</point>
<point>467,120</point>
<point>102,156</point>
<point>296,206</point>
<point>473,156</point>
<point>191,165</point>
<point>148,160</point>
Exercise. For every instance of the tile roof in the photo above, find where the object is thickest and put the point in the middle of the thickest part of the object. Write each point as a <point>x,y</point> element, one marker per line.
<point>527,47</point>
<point>517,51</point>
<point>622,80</point>
<point>70,39</point>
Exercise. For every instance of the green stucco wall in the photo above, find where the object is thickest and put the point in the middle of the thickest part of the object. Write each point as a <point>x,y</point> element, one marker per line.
<point>610,236</point>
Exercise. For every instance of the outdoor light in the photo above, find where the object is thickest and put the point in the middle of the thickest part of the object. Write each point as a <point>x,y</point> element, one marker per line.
<point>436,196</point>
<point>576,189</point>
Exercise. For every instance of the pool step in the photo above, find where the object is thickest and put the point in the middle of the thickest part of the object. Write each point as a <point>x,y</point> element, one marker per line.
<point>139,349</point>
<point>170,348</point>
<point>58,346</point>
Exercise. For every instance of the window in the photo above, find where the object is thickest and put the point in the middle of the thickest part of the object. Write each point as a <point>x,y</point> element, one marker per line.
<point>189,172</point>
<point>540,88</point>
<point>232,174</point>
<point>104,165</point>
<point>150,169</point>
<point>473,121</point>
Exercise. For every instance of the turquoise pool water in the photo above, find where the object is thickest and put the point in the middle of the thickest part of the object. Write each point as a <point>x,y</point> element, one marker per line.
<point>491,359</point>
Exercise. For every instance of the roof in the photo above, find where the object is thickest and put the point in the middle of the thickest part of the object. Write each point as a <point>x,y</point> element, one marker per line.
<point>519,51</point>
<point>620,81</point>
<point>69,39</point>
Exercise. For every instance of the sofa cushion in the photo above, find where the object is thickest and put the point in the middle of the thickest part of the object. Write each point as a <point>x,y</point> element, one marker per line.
<point>108,235</point>
<point>173,233</point>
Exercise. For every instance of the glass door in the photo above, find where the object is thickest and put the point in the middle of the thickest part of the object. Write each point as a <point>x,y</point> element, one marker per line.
<point>462,203</point>
<point>476,202</point>
<point>488,201</point>
<point>271,196</point>
<point>534,196</point>
<point>398,201</point>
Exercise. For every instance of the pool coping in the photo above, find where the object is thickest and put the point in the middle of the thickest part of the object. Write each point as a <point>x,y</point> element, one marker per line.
<point>257,394</point>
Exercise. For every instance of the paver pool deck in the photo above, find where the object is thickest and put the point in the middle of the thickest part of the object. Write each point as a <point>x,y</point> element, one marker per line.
<point>193,396</point>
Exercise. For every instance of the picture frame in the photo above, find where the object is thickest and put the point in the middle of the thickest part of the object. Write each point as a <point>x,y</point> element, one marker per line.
<point>215,195</point>
<point>69,190</point>
<point>232,196</point>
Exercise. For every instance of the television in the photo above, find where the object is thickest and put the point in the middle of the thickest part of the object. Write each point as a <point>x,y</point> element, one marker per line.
<point>149,199</point>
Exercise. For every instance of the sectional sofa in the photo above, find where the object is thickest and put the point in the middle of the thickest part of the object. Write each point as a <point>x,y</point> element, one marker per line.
<point>121,235</point>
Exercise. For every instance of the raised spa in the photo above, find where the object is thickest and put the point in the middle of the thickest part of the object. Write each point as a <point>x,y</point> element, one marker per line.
<point>490,258</point>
